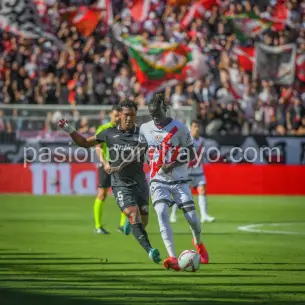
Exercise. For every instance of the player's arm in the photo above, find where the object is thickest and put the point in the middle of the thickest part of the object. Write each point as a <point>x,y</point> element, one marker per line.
<point>184,158</point>
<point>99,153</point>
<point>76,137</point>
<point>136,154</point>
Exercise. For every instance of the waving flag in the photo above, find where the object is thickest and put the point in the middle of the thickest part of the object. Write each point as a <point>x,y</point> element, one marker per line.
<point>84,19</point>
<point>245,57</point>
<point>198,10</point>
<point>280,16</point>
<point>159,64</point>
<point>140,9</point>
<point>21,17</point>
<point>248,25</point>
<point>106,5</point>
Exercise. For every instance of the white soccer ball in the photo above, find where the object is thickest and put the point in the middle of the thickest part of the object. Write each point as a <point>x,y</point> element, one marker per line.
<point>189,260</point>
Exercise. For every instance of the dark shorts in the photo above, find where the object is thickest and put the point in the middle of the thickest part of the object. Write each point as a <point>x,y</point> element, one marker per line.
<point>104,179</point>
<point>127,196</point>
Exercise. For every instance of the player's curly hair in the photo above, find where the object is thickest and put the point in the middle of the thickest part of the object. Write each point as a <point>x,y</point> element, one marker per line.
<point>116,108</point>
<point>159,99</point>
<point>128,104</point>
<point>195,122</point>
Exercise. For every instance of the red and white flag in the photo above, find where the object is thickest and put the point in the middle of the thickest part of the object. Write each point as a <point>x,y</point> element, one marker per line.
<point>84,18</point>
<point>198,10</point>
<point>140,9</point>
<point>246,57</point>
<point>280,16</point>
<point>106,5</point>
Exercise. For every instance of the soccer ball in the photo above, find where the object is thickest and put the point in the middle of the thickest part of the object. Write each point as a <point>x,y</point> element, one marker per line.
<point>189,260</point>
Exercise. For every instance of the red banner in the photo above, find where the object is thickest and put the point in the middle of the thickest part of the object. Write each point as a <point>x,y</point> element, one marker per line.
<point>66,178</point>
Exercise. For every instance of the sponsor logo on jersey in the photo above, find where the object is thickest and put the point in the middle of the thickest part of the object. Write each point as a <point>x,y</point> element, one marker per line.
<point>159,138</point>
<point>123,147</point>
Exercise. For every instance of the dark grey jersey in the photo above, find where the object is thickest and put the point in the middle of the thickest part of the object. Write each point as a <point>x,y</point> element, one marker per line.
<point>120,144</point>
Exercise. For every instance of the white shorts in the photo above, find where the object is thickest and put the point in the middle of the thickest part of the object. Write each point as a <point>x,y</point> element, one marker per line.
<point>170,194</point>
<point>197,180</point>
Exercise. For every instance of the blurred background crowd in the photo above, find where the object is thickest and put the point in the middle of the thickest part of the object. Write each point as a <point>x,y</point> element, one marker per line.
<point>98,69</point>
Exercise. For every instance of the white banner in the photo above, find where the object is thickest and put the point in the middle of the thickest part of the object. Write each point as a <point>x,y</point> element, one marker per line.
<point>275,63</point>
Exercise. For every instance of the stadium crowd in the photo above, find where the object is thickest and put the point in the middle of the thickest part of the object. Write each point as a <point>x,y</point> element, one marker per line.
<point>98,70</point>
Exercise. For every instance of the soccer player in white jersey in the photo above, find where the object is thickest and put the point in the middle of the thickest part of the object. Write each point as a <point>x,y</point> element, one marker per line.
<point>196,176</point>
<point>165,139</point>
<point>168,140</point>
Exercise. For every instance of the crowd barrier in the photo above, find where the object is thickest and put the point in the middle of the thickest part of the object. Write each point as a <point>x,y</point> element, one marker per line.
<point>81,179</point>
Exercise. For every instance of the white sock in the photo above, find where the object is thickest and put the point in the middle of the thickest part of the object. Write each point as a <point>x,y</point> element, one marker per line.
<point>192,219</point>
<point>162,211</point>
<point>203,205</point>
<point>174,210</point>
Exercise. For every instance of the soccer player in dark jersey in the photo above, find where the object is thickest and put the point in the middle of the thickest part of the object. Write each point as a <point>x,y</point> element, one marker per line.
<point>104,178</point>
<point>129,186</point>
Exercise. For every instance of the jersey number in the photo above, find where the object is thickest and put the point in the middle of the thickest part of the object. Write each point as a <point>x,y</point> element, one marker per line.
<point>120,198</point>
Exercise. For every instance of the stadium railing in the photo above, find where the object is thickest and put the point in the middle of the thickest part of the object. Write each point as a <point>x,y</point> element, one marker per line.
<point>38,119</point>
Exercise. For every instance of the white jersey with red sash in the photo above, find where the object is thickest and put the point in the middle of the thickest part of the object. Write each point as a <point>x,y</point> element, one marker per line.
<point>164,145</point>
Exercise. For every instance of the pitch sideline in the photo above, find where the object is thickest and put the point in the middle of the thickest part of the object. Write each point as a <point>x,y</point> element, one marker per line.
<point>254,228</point>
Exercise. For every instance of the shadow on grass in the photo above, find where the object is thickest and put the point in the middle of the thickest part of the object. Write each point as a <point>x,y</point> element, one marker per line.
<point>116,297</point>
<point>38,285</point>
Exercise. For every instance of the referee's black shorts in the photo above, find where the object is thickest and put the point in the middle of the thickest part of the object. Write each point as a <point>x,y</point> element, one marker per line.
<point>104,179</point>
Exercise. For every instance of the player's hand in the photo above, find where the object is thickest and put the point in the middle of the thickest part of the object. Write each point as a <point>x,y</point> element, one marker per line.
<point>167,168</point>
<point>63,124</point>
<point>112,170</point>
<point>107,167</point>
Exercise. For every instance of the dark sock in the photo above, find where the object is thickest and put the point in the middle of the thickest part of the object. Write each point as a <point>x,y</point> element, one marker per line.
<point>141,236</point>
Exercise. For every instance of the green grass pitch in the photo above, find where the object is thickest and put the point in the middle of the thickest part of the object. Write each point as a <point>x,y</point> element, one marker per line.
<point>49,255</point>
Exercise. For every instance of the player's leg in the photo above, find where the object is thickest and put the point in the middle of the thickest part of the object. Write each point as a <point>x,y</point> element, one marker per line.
<point>98,210</point>
<point>142,193</point>
<point>143,203</point>
<point>161,199</point>
<point>127,200</point>
<point>173,217</point>
<point>184,199</point>
<point>203,204</point>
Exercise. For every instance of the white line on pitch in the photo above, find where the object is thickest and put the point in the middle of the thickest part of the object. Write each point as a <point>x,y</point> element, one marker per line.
<point>254,228</point>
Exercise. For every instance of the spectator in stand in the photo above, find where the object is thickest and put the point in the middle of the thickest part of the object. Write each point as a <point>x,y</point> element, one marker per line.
<point>5,124</point>
<point>178,99</point>
<point>98,70</point>
<point>84,127</point>
<point>294,115</point>
<point>301,130</point>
